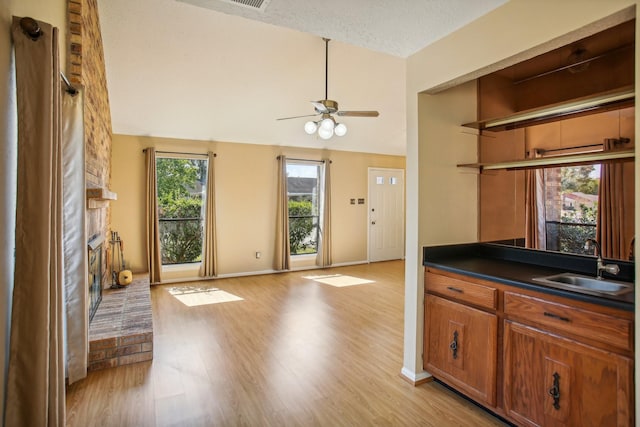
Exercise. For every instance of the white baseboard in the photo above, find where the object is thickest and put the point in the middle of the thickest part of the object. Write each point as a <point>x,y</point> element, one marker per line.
<point>248,273</point>
<point>346,264</point>
<point>413,377</point>
<point>259,273</point>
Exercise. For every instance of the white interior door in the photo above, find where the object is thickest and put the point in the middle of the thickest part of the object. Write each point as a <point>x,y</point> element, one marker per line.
<point>386,214</point>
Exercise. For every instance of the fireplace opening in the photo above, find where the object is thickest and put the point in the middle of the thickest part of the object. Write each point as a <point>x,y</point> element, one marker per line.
<point>95,273</point>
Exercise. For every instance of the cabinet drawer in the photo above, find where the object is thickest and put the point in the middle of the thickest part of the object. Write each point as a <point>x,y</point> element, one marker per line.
<point>473,293</point>
<point>588,324</point>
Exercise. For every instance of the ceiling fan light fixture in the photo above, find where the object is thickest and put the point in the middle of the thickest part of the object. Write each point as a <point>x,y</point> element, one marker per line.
<point>340,129</point>
<point>310,127</point>
<point>325,133</point>
<point>328,124</point>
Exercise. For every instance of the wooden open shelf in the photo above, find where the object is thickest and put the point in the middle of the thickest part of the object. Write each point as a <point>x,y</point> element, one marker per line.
<point>555,161</point>
<point>98,197</point>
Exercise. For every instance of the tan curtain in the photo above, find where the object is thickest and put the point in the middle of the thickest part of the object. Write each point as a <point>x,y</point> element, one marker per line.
<point>282,250</point>
<point>535,227</point>
<point>154,260</point>
<point>610,222</point>
<point>75,239</point>
<point>323,258</point>
<point>208,267</point>
<point>35,383</point>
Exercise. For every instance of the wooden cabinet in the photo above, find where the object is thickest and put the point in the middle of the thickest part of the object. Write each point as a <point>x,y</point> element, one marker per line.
<point>534,358</point>
<point>553,381</point>
<point>601,330</point>
<point>461,332</point>
<point>461,347</point>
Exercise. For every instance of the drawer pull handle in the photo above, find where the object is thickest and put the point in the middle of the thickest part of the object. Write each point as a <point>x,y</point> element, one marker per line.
<point>556,316</point>
<point>454,345</point>
<point>554,391</point>
<point>452,289</point>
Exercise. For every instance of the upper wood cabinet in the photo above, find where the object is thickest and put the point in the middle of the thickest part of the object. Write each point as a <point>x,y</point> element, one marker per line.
<point>601,64</point>
<point>590,76</point>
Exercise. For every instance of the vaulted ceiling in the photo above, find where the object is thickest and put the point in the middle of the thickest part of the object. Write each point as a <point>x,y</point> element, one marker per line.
<point>214,70</point>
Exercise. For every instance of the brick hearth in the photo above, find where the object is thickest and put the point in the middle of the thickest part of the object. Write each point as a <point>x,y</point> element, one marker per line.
<point>121,331</point>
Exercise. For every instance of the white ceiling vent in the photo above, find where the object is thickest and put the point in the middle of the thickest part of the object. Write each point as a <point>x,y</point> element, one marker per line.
<point>222,5</point>
<point>260,5</point>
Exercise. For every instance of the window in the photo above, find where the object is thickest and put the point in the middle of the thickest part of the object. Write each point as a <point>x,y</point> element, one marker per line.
<point>181,191</point>
<point>571,207</point>
<point>303,187</point>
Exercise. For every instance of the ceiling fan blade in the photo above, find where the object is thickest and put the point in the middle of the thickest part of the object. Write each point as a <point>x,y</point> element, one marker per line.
<point>320,107</point>
<point>358,113</point>
<point>297,117</point>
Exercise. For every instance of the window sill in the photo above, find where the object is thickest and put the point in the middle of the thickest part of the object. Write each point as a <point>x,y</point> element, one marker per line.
<point>181,267</point>
<point>180,271</point>
<point>304,256</point>
<point>301,261</point>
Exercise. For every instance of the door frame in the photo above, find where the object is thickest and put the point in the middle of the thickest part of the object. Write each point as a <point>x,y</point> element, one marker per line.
<point>404,209</point>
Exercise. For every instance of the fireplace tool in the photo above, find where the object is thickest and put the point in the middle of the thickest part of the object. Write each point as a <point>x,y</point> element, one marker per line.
<point>120,276</point>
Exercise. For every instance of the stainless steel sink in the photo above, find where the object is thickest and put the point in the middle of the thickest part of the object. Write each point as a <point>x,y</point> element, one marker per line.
<point>585,284</point>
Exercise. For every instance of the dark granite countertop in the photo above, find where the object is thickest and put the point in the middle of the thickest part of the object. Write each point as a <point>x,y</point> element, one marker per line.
<point>518,266</point>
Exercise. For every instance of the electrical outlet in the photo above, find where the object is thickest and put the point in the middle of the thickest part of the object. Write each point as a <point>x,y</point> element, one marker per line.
<point>258,254</point>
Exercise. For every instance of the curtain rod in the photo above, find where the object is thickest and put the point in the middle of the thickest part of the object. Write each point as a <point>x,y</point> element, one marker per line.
<point>616,141</point>
<point>551,150</point>
<point>70,89</point>
<point>32,29</point>
<point>305,160</point>
<point>179,152</point>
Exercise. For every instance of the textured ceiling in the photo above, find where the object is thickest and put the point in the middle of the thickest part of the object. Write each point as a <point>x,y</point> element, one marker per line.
<point>176,70</point>
<point>398,27</point>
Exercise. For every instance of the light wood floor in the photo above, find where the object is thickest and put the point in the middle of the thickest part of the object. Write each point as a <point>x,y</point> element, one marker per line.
<point>293,351</point>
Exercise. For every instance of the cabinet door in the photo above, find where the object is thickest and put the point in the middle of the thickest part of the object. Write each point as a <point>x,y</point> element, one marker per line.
<point>461,347</point>
<point>552,381</point>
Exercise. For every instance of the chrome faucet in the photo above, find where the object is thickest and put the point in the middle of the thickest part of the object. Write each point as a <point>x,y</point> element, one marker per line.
<point>601,266</point>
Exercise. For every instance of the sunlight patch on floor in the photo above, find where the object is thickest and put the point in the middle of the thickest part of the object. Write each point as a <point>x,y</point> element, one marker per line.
<point>194,296</point>
<point>339,280</point>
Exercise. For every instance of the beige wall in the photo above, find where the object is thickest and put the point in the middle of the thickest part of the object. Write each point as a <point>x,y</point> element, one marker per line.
<point>511,33</point>
<point>245,199</point>
<point>53,12</point>
<point>454,202</point>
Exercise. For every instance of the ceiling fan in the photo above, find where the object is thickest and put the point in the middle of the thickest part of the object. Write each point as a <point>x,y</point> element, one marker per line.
<point>326,125</point>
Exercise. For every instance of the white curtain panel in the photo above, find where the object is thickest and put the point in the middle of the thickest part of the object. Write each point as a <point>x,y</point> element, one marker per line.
<point>74,237</point>
<point>323,259</point>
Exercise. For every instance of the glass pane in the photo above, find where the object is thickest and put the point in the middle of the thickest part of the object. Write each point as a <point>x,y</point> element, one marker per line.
<point>304,207</point>
<point>571,207</point>
<point>379,180</point>
<point>393,180</point>
<point>181,190</point>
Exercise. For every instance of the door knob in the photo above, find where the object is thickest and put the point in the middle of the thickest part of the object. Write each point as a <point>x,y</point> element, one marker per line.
<point>373,223</point>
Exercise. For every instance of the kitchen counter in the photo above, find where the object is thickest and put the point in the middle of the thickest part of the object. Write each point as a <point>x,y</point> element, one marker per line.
<point>518,266</point>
